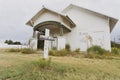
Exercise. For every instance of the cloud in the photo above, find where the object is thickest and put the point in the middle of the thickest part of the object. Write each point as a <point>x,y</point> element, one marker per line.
<point>15,13</point>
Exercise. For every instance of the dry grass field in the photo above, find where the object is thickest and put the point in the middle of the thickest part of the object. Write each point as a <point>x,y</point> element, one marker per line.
<point>17,66</point>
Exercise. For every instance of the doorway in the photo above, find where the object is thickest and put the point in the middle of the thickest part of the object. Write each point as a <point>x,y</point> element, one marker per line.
<point>40,44</point>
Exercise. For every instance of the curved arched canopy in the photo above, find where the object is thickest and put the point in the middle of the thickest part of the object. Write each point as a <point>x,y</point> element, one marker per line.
<point>54,26</point>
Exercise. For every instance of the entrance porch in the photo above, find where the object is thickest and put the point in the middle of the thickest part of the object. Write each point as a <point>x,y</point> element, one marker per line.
<point>56,39</point>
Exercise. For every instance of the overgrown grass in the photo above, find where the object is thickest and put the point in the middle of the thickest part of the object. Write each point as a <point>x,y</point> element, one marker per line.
<point>57,68</point>
<point>62,52</point>
<point>38,70</point>
<point>115,51</point>
<point>23,51</point>
<point>92,52</point>
<point>100,53</point>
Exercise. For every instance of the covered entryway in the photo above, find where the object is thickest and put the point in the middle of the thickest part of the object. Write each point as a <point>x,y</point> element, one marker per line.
<point>56,31</point>
<point>57,23</point>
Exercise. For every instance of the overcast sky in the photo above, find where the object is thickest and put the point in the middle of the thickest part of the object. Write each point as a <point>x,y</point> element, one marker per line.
<point>15,13</point>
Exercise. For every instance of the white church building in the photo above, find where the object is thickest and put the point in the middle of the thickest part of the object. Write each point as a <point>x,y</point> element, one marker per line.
<point>77,26</point>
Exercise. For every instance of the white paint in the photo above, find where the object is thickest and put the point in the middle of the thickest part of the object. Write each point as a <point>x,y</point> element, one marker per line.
<point>33,43</point>
<point>58,43</point>
<point>54,43</point>
<point>87,21</point>
<point>95,25</point>
<point>88,39</point>
<point>46,43</point>
<point>61,43</point>
<point>50,16</point>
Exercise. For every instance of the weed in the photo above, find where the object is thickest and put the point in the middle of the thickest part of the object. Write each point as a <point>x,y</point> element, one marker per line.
<point>115,51</point>
<point>13,50</point>
<point>96,50</point>
<point>27,51</point>
<point>67,47</point>
<point>24,50</point>
<point>62,52</point>
<point>43,63</point>
<point>52,52</point>
<point>77,50</point>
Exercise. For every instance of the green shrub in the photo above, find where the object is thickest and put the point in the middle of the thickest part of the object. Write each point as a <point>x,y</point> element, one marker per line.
<point>96,50</point>
<point>67,47</point>
<point>115,51</point>
<point>77,50</point>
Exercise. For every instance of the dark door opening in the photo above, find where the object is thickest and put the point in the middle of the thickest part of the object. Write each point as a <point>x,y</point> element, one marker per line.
<point>40,44</point>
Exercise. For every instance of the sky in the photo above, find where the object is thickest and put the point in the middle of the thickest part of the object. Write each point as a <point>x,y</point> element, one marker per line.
<point>15,13</point>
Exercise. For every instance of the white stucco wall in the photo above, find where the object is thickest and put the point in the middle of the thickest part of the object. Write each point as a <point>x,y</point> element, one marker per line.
<point>87,22</point>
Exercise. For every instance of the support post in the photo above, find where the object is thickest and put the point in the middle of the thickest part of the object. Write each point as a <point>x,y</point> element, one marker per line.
<point>33,33</point>
<point>61,31</point>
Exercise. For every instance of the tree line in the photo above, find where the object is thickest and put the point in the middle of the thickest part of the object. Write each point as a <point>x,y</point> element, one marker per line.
<point>10,42</point>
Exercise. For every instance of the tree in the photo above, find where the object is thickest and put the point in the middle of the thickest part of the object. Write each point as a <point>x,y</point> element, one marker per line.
<point>17,43</point>
<point>6,41</point>
<point>12,43</point>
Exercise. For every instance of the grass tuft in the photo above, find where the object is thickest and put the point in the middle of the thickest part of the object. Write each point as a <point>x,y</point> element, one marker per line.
<point>116,51</point>
<point>62,52</point>
<point>23,51</point>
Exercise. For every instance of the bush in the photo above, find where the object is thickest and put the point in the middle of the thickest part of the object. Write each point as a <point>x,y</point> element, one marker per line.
<point>115,51</point>
<point>77,50</point>
<point>67,47</point>
<point>96,50</point>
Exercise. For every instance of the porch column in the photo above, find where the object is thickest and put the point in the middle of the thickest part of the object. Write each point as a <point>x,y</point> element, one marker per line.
<point>33,41</point>
<point>35,33</point>
<point>61,31</point>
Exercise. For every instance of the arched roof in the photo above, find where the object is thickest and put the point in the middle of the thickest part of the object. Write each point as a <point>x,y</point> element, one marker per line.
<point>49,24</point>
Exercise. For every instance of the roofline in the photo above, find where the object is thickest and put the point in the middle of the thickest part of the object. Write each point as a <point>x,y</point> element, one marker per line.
<point>31,21</point>
<point>91,11</point>
<point>115,19</point>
